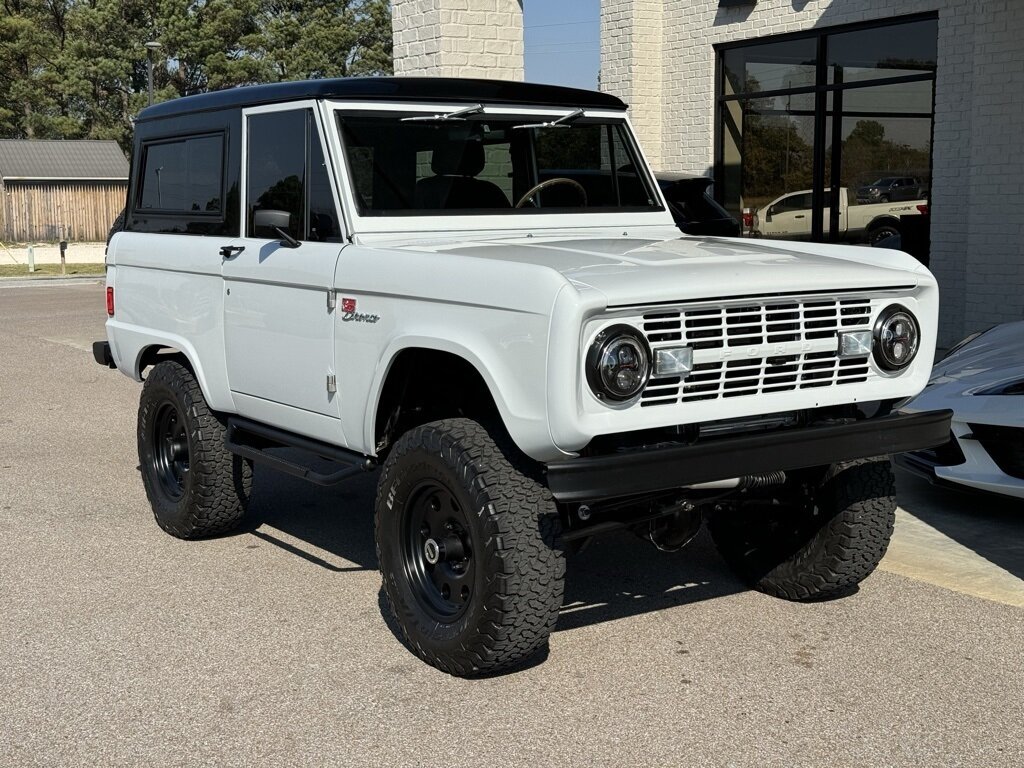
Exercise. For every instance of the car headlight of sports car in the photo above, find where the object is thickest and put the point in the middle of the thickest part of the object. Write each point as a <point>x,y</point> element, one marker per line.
<point>618,363</point>
<point>897,336</point>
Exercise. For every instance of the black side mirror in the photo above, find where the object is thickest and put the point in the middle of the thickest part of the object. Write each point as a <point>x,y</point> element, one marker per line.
<point>278,222</point>
<point>768,215</point>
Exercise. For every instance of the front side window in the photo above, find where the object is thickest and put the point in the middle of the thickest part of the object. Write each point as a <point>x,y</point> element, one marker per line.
<point>487,164</point>
<point>288,179</point>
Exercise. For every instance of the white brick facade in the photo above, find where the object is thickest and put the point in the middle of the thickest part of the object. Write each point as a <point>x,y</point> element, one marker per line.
<point>458,38</point>
<point>658,56</point>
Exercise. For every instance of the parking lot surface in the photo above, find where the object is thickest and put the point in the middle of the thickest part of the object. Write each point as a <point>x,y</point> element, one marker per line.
<point>120,645</point>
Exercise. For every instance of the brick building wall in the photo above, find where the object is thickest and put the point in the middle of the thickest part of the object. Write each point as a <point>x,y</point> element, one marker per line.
<point>458,38</point>
<point>977,219</point>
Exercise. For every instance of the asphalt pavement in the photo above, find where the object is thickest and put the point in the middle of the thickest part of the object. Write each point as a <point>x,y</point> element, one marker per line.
<point>120,645</point>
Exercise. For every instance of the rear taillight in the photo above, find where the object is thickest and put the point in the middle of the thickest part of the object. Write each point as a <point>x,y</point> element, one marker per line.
<point>923,209</point>
<point>110,302</point>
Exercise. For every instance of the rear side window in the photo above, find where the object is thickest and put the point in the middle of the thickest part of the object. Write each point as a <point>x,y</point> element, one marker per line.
<point>183,176</point>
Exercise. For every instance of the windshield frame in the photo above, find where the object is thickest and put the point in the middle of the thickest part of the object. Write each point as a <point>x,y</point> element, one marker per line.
<point>430,221</point>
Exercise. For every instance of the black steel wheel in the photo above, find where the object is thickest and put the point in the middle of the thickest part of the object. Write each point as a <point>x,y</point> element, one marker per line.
<point>466,542</point>
<point>169,451</point>
<point>195,486</point>
<point>438,552</point>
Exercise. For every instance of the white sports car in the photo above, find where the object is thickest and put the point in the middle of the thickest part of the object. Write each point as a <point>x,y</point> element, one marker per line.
<point>982,381</point>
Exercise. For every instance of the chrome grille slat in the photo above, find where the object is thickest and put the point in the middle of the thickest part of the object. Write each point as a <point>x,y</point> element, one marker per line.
<point>752,324</point>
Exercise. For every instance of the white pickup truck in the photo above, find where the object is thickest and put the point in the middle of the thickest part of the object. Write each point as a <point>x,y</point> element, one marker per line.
<point>789,217</point>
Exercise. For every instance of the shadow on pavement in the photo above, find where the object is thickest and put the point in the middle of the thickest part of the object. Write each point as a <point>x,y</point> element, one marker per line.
<point>618,576</point>
<point>991,526</point>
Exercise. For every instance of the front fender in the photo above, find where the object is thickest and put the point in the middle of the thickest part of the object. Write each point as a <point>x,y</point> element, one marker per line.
<point>520,403</point>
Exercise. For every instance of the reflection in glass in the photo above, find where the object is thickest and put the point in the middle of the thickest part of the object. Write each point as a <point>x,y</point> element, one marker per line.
<point>183,176</point>
<point>881,52</point>
<point>770,66</point>
<point>824,128</point>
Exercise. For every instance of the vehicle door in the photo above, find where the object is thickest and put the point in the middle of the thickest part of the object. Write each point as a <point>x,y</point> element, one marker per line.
<point>278,277</point>
<point>789,217</point>
<point>905,190</point>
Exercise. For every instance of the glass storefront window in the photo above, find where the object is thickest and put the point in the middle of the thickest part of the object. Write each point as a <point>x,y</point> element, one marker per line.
<point>883,52</point>
<point>807,141</point>
<point>770,66</point>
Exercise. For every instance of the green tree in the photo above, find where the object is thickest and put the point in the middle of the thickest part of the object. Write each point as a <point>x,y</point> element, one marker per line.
<point>326,38</point>
<point>78,68</point>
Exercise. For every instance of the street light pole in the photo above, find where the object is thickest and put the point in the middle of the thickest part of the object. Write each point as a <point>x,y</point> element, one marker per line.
<point>151,48</point>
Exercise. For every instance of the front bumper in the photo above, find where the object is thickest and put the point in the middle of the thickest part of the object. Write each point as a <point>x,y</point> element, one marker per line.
<point>662,469</point>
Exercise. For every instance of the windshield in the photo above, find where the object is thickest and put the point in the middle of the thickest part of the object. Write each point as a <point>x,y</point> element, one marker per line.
<point>487,164</point>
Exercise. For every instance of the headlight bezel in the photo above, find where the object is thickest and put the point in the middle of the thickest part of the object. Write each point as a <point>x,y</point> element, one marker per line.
<point>602,343</point>
<point>880,352</point>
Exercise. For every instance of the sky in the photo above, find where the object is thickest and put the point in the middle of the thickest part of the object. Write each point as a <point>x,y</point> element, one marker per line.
<point>562,41</point>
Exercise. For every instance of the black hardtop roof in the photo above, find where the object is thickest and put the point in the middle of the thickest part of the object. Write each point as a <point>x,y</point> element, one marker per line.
<point>432,89</point>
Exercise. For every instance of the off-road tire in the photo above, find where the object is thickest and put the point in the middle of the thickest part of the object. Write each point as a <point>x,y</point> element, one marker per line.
<point>823,551</point>
<point>512,529</point>
<point>215,489</point>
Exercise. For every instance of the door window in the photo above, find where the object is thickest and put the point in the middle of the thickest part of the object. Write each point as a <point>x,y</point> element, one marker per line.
<point>287,173</point>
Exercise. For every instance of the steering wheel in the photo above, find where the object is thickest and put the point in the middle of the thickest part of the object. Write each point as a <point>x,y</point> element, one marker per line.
<point>550,183</point>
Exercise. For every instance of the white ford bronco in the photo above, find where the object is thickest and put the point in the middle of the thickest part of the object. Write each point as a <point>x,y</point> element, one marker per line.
<point>476,287</point>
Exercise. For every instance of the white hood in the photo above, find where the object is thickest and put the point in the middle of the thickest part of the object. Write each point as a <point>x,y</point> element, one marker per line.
<point>630,270</point>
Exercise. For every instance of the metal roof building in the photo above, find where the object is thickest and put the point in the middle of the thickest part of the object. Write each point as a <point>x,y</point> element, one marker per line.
<point>52,189</point>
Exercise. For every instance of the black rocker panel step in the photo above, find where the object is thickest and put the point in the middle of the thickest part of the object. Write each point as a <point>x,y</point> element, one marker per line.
<point>252,440</point>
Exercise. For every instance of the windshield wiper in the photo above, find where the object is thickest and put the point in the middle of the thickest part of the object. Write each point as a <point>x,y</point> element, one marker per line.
<point>458,114</point>
<point>562,122</point>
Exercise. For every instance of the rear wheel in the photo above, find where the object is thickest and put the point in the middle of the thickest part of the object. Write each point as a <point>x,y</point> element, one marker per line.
<point>878,234</point>
<point>195,486</point>
<point>818,549</point>
<point>466,545</point>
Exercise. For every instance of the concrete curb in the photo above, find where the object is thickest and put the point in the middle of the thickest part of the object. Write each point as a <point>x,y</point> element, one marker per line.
<point>50,280</point>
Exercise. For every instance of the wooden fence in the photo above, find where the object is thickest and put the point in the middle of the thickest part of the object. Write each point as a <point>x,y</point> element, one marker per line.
<point>46,211</point>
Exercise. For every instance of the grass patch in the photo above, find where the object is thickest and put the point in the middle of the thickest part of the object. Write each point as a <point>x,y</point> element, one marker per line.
<point>50,270</point>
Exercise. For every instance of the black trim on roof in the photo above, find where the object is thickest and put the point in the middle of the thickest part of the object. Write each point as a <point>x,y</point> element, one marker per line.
<point>433,89</point>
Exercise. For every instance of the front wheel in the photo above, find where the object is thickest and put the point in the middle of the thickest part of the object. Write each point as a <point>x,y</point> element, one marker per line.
<point>466,545</point>
<point>818,549</point>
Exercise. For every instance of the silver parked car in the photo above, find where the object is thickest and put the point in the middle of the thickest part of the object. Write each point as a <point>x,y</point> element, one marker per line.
<point>982,381</point>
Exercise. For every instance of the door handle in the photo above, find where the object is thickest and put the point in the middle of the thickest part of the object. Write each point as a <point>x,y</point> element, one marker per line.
<point>230,251</point>
<point>799,216</point>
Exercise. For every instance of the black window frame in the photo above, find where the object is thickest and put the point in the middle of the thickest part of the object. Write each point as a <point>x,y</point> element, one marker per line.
<point>821,91</point>
<point>312,131</point>
<point>212,217</point>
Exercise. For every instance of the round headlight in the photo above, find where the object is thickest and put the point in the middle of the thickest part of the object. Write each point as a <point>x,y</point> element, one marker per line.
<point>618,363</point>
<point>897,337</point>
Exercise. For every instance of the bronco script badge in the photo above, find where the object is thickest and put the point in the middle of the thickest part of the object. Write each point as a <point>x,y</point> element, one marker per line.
<point>349,314</point>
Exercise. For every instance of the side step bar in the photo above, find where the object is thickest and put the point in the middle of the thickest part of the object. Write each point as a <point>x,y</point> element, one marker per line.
<point>251,440</point>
